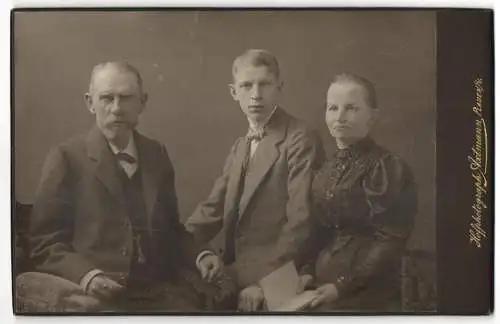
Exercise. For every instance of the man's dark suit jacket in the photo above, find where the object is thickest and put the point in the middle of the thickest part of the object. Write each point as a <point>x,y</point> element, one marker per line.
<point>79,221</point>
<point>274,215</point>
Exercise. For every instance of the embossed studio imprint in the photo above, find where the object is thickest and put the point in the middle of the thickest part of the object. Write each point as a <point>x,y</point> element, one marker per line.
<point>478,163</point>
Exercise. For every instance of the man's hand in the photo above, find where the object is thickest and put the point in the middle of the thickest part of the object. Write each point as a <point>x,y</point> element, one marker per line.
<point>327,293</point>
<point>82,303</point>
<point>209,266</point>
<point>250,299</point>
<point>103,287</point>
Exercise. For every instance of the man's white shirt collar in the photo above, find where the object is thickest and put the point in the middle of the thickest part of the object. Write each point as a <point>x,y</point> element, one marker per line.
<point>131,149</point>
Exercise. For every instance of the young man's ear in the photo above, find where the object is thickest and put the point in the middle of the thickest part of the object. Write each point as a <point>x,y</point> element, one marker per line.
<point>144,100</point>
<point>281,84</point>
<point>88,102</point>
<point>232,91</point>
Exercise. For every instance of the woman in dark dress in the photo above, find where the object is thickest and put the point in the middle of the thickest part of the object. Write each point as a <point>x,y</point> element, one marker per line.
<point>364,201</point>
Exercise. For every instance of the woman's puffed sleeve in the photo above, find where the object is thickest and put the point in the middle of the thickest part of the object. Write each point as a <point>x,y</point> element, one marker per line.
<point>391,196</point>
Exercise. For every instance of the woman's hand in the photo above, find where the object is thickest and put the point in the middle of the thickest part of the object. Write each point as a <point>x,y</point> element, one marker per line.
<point>250,299</point>
<point>327,293</point>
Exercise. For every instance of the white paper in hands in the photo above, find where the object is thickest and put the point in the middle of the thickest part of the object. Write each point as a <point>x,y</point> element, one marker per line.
<point>282,290</point>
<point>298,302</point>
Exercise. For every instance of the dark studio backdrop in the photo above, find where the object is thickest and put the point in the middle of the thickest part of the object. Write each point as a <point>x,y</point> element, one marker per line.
<point>185,59</point>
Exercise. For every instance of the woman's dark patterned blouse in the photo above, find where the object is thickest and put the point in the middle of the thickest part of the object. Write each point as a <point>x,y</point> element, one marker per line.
<point>363,190</point>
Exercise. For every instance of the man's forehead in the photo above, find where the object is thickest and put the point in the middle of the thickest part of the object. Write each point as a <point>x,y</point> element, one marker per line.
<point>111,76</point>
<point>246,72</point>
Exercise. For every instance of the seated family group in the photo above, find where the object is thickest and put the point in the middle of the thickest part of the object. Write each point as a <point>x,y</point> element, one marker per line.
<point>105,219</point>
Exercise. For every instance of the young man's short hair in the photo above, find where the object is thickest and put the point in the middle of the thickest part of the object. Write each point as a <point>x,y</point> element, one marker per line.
<point>256,58</point>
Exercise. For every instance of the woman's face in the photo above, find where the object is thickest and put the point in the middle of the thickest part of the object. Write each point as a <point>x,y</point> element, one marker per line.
<point>348,115</point>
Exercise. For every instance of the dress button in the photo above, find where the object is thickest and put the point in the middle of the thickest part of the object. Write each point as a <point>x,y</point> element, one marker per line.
<point>124,251</point>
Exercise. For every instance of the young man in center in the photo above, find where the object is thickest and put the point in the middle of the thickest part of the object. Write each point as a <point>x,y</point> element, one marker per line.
<point>258,213</point>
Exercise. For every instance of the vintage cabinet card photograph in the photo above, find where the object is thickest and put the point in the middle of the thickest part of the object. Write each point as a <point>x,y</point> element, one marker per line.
<point>252,161</point>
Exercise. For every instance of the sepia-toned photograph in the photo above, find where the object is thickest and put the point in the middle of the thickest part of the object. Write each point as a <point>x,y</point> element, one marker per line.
<point>224,161</point>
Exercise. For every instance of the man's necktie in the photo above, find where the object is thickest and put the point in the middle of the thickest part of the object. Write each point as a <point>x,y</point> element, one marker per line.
<point>122,156</point>
<point>127,162</point>
<point>256,134</point>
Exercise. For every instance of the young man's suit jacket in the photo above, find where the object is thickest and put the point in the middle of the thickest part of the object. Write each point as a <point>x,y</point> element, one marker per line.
<point>273,216</point>
<point>79,220</point>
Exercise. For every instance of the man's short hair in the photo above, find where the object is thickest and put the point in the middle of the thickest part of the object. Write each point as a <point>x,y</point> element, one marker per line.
<point>371,95</point>
<point>119,65</point>
<point>256,58</point>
